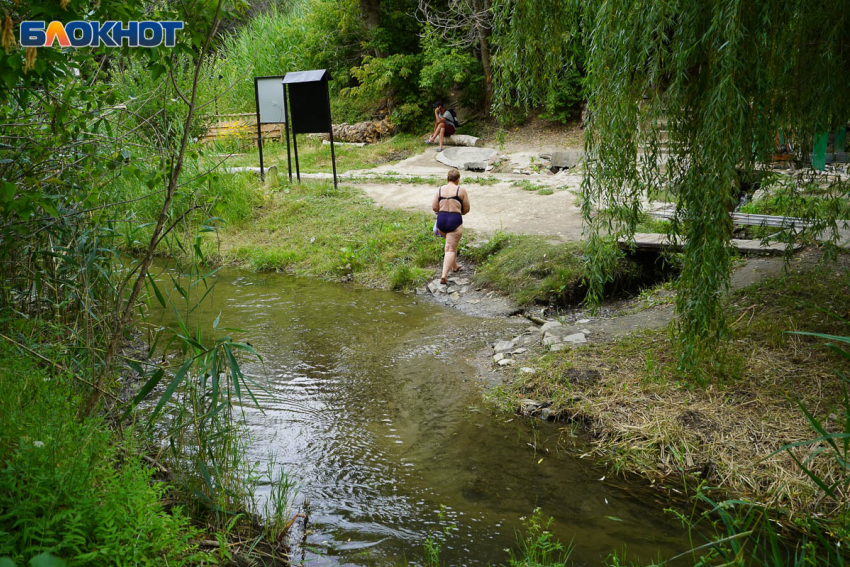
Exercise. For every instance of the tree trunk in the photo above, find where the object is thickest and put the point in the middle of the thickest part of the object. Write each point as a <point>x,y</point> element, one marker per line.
<point>483,33</point>
<point>488,74</point>
<point>371,10</point>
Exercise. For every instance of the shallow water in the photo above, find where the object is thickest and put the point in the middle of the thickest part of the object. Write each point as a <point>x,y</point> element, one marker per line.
<point>374,409</point>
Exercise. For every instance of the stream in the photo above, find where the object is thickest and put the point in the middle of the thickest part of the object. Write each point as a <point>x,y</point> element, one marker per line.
<point>376,407</point>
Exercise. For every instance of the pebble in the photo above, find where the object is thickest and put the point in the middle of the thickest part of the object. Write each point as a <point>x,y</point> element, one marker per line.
<point>520,350</point>
<point>549,341</point>
<point>577,338</point>
<point>502,346</point>
<point>557,346</point>
<point>527,370</point>
<point>498,357</point>
<point>583,321</point>
<point>550,325</point>
<point>506,362</point>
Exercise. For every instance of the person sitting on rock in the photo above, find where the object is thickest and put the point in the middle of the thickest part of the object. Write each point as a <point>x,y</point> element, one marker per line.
<point>445,125</point>
<point>450,203</point>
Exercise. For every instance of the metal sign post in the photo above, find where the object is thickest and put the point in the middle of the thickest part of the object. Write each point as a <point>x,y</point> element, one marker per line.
<point>270,100</point>
<point>309,109</point>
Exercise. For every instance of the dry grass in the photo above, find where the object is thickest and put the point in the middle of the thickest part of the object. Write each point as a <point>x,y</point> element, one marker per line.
<point>647,418</point>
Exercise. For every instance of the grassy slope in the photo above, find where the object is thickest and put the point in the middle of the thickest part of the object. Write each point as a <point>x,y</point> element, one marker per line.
<point>645,417</point>
<point>316,230</point>
<point>74,489</point>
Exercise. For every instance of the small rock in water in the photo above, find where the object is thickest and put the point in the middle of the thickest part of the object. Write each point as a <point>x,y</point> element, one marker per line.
<point>577,338</point>
<point>502,346</point>
<point>527,370</point>
<point>421,290</point>
<point>506,362</point>
<point>546,413</point>
<point>550,325</point>
<point>499,357</point>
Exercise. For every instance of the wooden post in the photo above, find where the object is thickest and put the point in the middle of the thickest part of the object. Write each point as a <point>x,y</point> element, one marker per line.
<point>259,127</point>
<point>286,125</point>
<point>331,133</point>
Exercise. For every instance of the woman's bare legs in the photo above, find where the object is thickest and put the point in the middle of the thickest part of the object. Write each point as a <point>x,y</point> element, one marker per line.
<point>436,131</point>
<point>450,260</point>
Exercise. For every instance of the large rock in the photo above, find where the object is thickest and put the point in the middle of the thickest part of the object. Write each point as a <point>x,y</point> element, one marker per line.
<point>576,339</point>
<point>459,157</point>
<point>566,159</point>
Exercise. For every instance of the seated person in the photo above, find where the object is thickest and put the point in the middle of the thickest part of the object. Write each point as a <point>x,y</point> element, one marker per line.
<point>445,124</point>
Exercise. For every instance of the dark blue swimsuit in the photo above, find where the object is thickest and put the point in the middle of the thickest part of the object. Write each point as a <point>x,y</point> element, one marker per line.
<point>449,222</point>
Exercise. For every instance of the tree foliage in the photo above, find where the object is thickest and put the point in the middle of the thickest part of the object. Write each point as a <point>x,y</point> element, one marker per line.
<point>720,78</point>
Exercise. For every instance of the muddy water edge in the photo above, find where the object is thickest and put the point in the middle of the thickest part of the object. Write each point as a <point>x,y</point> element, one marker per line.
<point>374,405</point>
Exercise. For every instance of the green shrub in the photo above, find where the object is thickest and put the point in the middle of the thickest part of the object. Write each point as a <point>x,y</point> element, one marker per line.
<point>69,489</point>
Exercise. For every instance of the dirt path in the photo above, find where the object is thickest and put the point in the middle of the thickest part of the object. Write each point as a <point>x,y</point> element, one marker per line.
<point>502,206</point>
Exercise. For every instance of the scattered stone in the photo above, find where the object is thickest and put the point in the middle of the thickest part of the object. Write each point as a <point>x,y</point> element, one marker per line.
<point>421,290</point>
<point>498,357</point>
<point>436,287</point>
<point>583,321</point>
<point>559,331</point>
<point>454,295</point>
<point>529,406</point>
<point>585,331</point>
<point>464,289</point>
<point>526,340</point>
<point>549,341</point>
<point>566,159</point>
<point>520,351</point>
<point>506,362</point>
<point>503,346</point>
<point>557,346</point>
<point>550,325</point>
<point>527,370</point>
<point>546,413</point>
<point>576,339</point>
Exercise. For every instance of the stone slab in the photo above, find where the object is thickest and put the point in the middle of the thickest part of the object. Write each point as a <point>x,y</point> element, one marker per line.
<point>458,157</point>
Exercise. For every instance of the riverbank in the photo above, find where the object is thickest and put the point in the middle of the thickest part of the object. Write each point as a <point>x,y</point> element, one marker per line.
<point>78,490</point>
<point>645,417</point>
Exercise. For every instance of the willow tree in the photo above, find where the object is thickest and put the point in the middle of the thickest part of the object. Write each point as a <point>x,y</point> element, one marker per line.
<point>719,79</point>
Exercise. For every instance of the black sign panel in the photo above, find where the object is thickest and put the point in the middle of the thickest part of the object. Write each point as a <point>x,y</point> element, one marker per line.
<point>308,104</point>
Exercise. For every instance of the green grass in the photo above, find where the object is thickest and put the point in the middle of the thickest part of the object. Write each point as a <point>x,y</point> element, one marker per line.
<point>532,269</point>
<point>76,490</point>
<point>315,157</point>
<point>313,229</point>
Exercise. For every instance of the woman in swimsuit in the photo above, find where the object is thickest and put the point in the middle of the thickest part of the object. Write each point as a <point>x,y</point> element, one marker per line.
<point>450,203</point>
